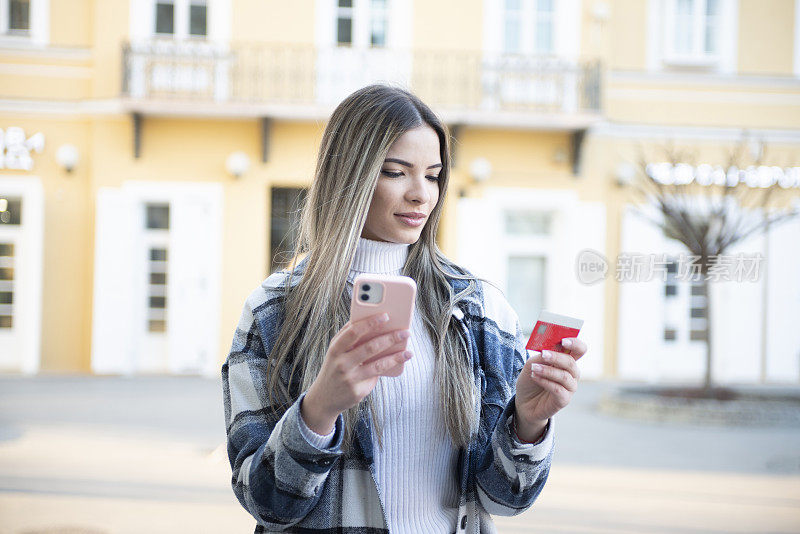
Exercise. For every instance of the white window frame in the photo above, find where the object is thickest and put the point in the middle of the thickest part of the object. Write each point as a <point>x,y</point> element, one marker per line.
<point>661,54</point>
<point>698,54</point>
<point>361,15</point>
<point>39,32</point>
<point>527,18</point>
<point>218,22</point>
<point>567,16</point>
<point>181,22</point>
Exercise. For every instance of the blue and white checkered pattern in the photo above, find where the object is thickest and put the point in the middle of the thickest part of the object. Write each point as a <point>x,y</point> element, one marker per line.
<point>289,485</point>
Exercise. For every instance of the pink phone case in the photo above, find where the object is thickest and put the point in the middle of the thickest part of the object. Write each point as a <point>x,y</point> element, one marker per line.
<point>385,293</point>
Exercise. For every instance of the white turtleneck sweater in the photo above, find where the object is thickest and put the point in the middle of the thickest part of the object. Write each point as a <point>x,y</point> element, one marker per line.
<point>416,470</point>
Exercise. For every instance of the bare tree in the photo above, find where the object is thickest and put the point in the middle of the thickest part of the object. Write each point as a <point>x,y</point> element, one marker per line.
<point>708,219</point>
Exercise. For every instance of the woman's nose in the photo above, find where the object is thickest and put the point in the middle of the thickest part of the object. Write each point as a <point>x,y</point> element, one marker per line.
<point>418,192</point>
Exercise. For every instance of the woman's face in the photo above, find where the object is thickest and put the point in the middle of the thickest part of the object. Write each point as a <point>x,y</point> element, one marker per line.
<point>408,184</point>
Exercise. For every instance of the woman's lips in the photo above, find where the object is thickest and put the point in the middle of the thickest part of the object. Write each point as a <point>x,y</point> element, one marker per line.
<point>410,221</point>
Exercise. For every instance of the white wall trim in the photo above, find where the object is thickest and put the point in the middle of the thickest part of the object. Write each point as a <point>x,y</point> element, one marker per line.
<point>48,71</point>
<point>48,52</point>
<point>691,96</point>
<point>660,132</point>
<point>702,79</point>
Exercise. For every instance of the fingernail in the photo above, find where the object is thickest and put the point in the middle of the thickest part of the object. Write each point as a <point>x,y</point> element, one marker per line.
<point>383,318</point>
<point>547,355</point>
<point>566,343</point>
<point>536,368</point>
<point>404,334</point>
<point>407,355</point>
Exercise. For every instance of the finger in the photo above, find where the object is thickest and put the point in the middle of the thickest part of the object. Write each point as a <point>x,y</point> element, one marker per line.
<point>573,346</point>
<point>559,392</point>
<point>560,376</point>
<point>356,332</point>
<point>562,361</point>
<point>375,346</point>
<point>382,365</point>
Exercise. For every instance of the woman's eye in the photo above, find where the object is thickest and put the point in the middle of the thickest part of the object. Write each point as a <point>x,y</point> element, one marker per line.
<point>392,174</point>
<point>433,178</point>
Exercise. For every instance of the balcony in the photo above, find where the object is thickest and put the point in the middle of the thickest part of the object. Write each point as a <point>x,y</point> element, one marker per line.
<point>304,82</point>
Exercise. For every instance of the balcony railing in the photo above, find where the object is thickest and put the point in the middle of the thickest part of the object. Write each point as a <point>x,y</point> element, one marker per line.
<point>293,75</point>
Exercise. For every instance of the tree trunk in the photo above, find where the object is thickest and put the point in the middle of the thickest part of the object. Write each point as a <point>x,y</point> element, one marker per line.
<point>707,385</point>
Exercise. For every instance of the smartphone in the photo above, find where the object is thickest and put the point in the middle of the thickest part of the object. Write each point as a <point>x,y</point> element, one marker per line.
<point>550,329</point>
<point>385,293</point>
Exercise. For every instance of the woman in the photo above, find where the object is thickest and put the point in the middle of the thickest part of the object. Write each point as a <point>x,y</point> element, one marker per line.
<point>463,432</point>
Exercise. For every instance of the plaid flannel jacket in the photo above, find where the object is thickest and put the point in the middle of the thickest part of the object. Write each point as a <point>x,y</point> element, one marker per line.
<point>288,485</point>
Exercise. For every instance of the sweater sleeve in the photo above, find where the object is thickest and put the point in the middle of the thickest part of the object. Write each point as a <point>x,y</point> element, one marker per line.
<point>514,472</point>
<point>277,474</point>
<point>317,440</point>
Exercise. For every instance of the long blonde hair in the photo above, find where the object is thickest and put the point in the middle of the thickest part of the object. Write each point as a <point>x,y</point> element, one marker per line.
<point>353,148</point>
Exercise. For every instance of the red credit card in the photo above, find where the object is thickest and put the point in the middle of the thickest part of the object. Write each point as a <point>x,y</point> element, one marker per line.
<point>550,329</point>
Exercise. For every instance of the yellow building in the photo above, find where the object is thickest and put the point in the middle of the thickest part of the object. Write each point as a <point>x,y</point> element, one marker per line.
<point>154,150</point>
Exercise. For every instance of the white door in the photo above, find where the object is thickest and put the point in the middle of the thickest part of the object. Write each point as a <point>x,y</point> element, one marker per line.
<point>113,312</point>
<point>193,291</point>
<point>527,242</point>
<point>21,235</point>
<point>163,241</point>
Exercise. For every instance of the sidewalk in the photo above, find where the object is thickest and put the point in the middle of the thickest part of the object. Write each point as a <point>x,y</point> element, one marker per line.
<point>146,455</point>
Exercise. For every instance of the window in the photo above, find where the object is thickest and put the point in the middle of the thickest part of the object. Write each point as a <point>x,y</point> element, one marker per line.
<point>157,291</point>
<point>671,289</point>
<point>670,334</point>
<point>158,216</point>
<point>10,211</point>
<point>344,23</point>
<point>198,14</point>
<point>6,285</point>
<point>157,235</point>
<point>685,308</point>
<point>528,26</point>
<point>693,31</point>
<point>165,18</point>
<point>526,288</point>
<point>25,22</point>
<point>19,16</point>
<point>181,19</point>
<point>698,318</point>
<point>525,222</point>
<point>362,23</point>
<point>511,24</point>
<point>286,205</point>
<point>377,37</point>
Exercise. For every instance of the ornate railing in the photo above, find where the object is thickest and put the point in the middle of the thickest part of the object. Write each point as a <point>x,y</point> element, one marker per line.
<point>305,75</point>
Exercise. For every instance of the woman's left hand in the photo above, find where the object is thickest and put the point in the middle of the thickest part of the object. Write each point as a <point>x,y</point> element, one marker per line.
<point>540,394</point>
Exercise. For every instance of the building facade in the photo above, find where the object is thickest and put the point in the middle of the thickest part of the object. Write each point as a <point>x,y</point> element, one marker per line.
<point>155,153</point>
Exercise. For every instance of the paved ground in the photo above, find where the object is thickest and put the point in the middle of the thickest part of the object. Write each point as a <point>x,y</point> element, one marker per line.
<point>98,455</point>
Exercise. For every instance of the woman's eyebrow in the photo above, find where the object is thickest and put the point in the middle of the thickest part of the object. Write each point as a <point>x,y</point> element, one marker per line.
<point>407,164</point>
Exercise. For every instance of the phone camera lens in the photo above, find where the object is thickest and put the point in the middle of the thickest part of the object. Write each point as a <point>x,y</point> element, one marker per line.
<point>364,297</point>
<point>365,287</point>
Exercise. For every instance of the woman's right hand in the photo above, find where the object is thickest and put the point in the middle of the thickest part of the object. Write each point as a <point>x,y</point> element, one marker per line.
<point>343,381</point>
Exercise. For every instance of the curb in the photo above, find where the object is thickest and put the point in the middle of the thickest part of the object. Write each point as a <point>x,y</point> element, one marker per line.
<point>739,412</point>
